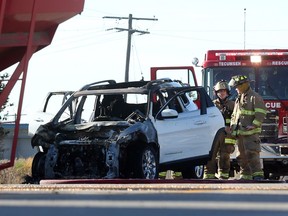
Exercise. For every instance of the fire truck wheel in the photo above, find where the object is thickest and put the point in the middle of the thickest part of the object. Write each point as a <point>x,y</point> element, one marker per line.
<point>271,176</point>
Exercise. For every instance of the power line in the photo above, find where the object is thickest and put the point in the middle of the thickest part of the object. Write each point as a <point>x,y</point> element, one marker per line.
<point>130,31</point>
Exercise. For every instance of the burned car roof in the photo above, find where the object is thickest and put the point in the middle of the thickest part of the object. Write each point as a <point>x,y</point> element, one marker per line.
<point>160,83</point>
<point>133,87</point>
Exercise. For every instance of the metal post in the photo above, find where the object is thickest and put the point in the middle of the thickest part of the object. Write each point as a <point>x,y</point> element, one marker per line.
<point>2,13</point>
<point>26,59</point>
<point>244,28</point>
<point>130,32</point>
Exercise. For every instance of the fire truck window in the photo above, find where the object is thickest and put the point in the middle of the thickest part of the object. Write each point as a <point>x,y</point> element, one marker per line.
<point>273,83</point>
<point>264,86</point>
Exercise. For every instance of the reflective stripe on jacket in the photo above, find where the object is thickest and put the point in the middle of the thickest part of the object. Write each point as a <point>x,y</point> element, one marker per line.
<point>230,141</point>
<point>249,110</point>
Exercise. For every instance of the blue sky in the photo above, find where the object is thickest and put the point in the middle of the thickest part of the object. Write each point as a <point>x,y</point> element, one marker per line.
<point>83,51</point>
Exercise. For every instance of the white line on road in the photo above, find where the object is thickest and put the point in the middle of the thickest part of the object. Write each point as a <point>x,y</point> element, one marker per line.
<point>252,206</point>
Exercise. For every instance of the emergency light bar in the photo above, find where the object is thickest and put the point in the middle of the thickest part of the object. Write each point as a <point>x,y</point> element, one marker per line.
<point>249,57</point>
<point>255,59</point>
<point>250,53</point>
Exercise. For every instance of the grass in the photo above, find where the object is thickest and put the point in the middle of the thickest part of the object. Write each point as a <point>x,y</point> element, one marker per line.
<point>171,175</point>
<point>21,169</point>
<point>17,173</point>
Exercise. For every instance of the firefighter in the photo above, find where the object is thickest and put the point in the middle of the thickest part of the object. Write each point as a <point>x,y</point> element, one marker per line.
<point>246,120</point>
<point>225,143</point>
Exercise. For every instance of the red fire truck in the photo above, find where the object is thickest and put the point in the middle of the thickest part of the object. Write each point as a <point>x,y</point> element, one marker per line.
<point>267,70</point>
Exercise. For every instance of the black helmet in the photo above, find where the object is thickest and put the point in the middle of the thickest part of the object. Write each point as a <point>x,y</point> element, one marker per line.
<point>221,85</point>
<point>238,80</point>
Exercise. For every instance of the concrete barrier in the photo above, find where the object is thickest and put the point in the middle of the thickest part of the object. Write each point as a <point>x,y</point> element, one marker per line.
<point>23,149</point>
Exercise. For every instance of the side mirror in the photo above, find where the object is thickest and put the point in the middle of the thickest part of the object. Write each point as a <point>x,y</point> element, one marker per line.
<point>169,113</point>
<point>195,61</point>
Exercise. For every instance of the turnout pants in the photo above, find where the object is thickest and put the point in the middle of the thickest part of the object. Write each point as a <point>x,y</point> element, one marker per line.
<point>220,160</point>
<point>248,156</point>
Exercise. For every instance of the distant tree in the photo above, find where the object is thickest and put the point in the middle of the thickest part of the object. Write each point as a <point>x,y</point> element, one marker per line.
<point>4,113</point>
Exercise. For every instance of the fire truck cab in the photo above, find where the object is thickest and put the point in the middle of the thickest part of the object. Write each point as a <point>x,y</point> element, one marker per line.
<point>267,70</point>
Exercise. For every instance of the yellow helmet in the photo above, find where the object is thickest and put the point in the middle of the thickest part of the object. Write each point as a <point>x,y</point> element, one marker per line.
<point>221,85</point>
<point>238,80</point>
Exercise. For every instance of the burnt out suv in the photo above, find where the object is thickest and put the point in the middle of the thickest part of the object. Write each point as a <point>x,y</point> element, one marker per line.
<point>128,130</point>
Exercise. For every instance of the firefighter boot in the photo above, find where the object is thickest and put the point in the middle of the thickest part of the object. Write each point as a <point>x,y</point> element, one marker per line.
<point>209,176</point>
<point>245,177</point>
<point>223,175</point>
<point>258,176</point>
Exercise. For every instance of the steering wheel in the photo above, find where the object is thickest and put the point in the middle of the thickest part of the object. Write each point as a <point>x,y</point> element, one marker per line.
<point>137,115</point>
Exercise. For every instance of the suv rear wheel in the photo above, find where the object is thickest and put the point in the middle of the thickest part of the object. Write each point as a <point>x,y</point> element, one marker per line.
<point>195,172</point>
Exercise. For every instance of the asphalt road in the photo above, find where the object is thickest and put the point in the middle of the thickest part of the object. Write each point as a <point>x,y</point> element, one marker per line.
<point>144,199</point>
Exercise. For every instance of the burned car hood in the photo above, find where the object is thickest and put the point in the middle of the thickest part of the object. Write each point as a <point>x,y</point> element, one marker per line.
<point>47,133</point>
<point>103,130</point>
<point>92,131</point>
<point>95,126</point>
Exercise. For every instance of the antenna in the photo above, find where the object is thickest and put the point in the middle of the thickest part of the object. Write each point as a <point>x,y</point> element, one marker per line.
<point>244,27</point>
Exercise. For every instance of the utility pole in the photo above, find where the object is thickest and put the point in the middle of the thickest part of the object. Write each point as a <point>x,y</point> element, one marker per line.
<point>130,31</point>
<point>244,28</point>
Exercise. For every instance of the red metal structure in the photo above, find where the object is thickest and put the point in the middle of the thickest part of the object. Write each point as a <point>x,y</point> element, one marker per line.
<point>27,26</point>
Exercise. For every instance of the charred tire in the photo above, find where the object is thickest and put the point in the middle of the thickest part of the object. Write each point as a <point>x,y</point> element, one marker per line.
<point>146,163</point>
<point>38,166</point>
<point>196,172</point>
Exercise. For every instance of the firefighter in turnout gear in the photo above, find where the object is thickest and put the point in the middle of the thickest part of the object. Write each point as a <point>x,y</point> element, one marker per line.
<point>246,120</point>
<point>226,143</point>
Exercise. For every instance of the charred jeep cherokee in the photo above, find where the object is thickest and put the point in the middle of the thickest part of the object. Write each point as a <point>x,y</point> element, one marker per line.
<point>128,130</point>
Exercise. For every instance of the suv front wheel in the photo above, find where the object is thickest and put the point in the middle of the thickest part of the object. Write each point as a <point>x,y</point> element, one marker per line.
<point>146,163</point>
<point>38,166</point>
